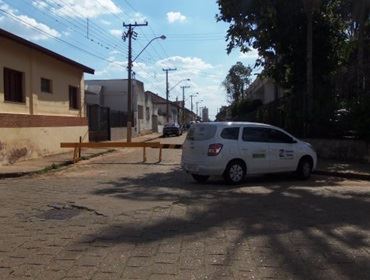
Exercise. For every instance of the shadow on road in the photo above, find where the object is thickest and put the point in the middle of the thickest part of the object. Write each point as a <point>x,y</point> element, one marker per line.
<point>302,227</point>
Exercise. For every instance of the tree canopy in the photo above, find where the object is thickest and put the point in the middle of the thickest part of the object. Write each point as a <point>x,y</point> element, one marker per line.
<point>340,50</point>
<point>236,81</point>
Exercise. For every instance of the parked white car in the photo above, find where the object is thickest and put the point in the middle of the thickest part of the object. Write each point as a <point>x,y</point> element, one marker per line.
<point>237,149</point>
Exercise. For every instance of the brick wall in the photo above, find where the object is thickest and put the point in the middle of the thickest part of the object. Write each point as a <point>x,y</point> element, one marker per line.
<point>19,120</point>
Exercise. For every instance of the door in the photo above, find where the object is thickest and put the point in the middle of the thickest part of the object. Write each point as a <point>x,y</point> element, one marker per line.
<point>99,123</point>
<point>282,151</point>
<point>253,148</point>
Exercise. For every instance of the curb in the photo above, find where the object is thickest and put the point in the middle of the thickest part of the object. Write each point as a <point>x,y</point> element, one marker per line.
<point>49,167</point>
<point>349,175</point>
<point>57,166</point>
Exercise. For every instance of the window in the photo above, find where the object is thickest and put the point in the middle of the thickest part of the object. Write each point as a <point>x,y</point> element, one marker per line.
<point>140,110</point>
<point>231,133</point>
<point>277,136</point>
<point>13,85</point>
<point>73,98</point>
<point>256,134</point>
<point>201,132</point>
<point>46,85</point>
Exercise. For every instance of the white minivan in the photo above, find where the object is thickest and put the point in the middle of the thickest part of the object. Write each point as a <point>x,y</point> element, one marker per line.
<point>235,149</point>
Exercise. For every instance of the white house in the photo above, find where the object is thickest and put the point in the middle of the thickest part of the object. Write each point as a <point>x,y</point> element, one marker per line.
<point>264,89</point>
<point>112,93</point>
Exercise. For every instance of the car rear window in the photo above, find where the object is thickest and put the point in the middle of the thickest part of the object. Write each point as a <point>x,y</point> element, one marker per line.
<point>201,132</point>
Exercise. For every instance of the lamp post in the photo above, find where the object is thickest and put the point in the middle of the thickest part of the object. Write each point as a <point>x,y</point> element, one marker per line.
<point>168,91</point>
<point>197,103</point>
<point>131,34</point>
<point>183,80</point>
<point>183,103</point>
<point>191,100</point>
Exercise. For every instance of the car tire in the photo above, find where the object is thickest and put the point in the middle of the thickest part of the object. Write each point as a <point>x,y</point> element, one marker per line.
<point>200,178</point>
<point>235,172</point>
<point>304,168</point>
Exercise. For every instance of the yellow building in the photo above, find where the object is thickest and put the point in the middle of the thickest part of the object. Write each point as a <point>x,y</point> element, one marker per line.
<point>41,100</point>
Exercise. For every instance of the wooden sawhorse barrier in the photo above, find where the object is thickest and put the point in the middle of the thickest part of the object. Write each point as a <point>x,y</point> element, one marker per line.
<point>77,146</point>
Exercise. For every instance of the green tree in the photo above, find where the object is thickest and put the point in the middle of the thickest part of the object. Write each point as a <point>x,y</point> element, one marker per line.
<point>236,81</point>
<point>278,29</point>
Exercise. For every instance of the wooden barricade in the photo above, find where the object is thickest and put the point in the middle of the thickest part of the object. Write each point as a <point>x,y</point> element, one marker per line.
<point>77,146</point>
<point>101,145</point>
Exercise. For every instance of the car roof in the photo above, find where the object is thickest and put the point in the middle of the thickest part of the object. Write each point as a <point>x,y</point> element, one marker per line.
<point>236,123</point>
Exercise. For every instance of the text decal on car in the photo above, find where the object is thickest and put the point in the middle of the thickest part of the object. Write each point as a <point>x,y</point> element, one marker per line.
<point>259,155</point>
<point>286,154</point>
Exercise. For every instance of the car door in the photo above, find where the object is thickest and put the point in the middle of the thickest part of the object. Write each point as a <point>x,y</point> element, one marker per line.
<point>253,148</point>
<point>282,151</point>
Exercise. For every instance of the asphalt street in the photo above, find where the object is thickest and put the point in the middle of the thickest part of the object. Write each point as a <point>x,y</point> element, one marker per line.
<point>115,217</point>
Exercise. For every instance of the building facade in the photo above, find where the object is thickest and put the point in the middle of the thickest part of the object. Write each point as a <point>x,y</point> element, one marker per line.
<point>112,93</point>
<point>265,90</point>
<point>41,100</point>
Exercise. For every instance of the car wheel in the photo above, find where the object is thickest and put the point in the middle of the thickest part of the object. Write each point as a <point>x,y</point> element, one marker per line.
<point>235,172</point>
<point>304,168</point>
<point>200,178</point>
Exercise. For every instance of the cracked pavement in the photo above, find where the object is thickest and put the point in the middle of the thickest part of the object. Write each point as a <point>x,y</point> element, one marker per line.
<point>114,217</point>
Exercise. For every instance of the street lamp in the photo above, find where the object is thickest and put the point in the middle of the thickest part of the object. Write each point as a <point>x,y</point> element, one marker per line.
<point>191,98</point>
<point>162,37</point>
<point>183,80</point>
<point>129,34</point>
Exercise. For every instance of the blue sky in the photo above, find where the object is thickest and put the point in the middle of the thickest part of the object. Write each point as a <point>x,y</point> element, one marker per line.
<point>89,31</point>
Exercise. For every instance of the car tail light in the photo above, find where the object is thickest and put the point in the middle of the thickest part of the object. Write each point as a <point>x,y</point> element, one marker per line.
<point>214,149</point>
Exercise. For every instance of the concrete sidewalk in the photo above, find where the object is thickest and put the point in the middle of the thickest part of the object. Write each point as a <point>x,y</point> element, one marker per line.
<point>47,163</point>
<point>348,170</point>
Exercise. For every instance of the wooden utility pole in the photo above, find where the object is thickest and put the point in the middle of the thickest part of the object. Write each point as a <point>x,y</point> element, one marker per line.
<point>129,34</point>
<point>167,92</point>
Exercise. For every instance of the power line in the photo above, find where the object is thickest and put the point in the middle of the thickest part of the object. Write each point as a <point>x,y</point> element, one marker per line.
<point>54,37</point>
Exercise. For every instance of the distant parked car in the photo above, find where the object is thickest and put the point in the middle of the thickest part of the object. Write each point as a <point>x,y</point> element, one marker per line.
<point>237,149</point>
<point>172,129</point>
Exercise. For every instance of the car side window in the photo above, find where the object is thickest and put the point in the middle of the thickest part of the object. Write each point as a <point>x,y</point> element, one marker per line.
<point>230,133</point>
<point>277,136</point>
<point>255,134</point>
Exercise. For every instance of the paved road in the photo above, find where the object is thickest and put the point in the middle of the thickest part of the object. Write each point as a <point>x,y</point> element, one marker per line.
<point>114,217</point>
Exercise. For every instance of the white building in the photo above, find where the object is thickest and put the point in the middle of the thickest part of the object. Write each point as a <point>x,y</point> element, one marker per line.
<point>205,116</point>
<point>264,89</point>
<point>112,93</point>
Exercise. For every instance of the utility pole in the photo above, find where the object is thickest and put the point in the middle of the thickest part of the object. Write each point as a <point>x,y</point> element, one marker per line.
<point>167,92</point>
<point>129,34</point>
<point>191,98</point>
<point>183,103</point>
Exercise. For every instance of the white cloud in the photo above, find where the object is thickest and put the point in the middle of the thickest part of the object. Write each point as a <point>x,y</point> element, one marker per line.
<point>252,54</point>
<point>205,79</point>
<point>105,22</point>
<point>116,32</point>
<point>25,26</point>
<point>175,16</point>
<point>79,8</point>
<point>138,17</point>
<point>194,64</point>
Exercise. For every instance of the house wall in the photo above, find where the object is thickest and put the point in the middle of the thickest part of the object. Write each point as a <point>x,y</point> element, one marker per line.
<point>37,126</point>
<point>145,124</point>
<point>341,149</point>
<point>161,111</point>
<point>114,96</point>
